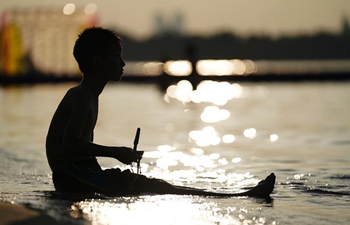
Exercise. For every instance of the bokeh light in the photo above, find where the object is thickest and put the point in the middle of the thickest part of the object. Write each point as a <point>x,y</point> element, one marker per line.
<point>178,68</point>
<point>90,8</point>
<point>250,133</point>
<point>273,137</point>
<point>218,93</point>
<point>69,9</point>
<point>206,137</point>
<point>225,67</point>
<point>228,138</point>
<point>152,68</point>
<point>236,160</point>
<point>182,91</point>
<point>213,114</point>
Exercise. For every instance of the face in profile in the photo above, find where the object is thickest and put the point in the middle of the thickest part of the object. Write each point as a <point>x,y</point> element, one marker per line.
<point>113,63</point>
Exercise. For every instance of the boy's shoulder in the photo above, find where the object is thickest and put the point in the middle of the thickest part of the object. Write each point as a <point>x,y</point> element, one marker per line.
<point>76,96</point>
<point>78,92</point>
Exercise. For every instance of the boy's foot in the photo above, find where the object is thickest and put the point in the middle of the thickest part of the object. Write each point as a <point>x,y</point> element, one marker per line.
<point>264,187</point>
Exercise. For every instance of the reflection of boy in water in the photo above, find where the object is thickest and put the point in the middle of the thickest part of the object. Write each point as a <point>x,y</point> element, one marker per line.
<point>70,150</point>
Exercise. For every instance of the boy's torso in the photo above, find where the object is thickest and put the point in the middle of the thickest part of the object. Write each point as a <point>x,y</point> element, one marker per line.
<point>54,141</point>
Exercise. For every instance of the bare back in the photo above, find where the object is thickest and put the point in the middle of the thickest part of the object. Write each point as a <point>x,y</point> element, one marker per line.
<point>76,115</point>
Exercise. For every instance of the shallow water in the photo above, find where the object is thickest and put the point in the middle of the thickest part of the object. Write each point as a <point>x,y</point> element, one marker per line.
<point>235,136</point>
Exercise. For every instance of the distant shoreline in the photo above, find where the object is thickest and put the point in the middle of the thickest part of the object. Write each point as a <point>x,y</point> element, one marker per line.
<point>39,79</point>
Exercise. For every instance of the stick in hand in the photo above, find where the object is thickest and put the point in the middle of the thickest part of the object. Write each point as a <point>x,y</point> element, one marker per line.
<point>136,141</point>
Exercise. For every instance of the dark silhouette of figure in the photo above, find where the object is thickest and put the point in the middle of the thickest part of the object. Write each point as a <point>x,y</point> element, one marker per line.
<point>164,80</point>
<point>70,150</point>
<point>191,55</point>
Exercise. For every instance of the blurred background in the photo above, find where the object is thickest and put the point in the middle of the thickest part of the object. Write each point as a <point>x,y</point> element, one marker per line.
<point>221,39</point>
<point>206,128</point>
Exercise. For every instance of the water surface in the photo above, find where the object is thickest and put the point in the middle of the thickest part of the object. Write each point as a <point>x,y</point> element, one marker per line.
<point>224,137</point>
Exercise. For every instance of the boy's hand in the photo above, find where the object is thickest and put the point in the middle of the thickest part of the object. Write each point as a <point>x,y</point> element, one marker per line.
<point>127,155</point>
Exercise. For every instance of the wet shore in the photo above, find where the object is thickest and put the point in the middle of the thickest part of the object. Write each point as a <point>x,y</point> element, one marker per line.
<point>12,214</point>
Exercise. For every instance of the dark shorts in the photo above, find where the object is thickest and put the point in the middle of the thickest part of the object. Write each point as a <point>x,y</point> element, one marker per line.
<point>88,177</point>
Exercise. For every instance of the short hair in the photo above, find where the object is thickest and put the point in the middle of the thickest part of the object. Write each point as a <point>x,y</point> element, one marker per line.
<point>92,41</point>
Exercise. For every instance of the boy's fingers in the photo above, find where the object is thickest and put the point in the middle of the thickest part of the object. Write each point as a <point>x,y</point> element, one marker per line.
<point>140,153</point>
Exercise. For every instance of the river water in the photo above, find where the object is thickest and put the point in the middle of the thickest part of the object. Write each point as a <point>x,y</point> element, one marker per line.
<point>223,137</point>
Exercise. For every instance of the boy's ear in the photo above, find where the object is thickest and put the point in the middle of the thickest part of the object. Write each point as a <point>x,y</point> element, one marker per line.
<point>96,61</point>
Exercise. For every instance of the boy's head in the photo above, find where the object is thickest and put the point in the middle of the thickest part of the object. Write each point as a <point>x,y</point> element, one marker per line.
<point>97,42</point>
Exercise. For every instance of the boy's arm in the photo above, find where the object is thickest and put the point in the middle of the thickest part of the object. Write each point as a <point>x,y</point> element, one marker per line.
<point>74,143</point>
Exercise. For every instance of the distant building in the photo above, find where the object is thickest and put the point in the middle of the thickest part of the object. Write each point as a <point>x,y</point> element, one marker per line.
<point>41,39</point>
<point>174,26</point>
<point>345,26</point>
<point>160,25</point>
<point>178,26</point>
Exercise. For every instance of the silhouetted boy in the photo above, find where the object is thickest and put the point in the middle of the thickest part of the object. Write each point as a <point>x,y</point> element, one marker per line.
<point>70,150</point>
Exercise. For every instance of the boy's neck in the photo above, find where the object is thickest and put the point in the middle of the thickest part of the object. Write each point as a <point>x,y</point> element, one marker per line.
<point>95,86</point>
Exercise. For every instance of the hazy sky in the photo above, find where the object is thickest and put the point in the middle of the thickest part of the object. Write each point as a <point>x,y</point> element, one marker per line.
<point>272,17</point>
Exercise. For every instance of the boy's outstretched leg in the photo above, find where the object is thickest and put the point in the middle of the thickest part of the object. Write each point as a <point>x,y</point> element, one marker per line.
<point>157,186</point>
<point>263,189</point>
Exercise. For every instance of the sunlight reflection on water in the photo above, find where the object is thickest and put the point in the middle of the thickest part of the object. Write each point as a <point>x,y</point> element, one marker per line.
<point>218,93</point>
<point>299,131</point>
<point>155,210</point>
